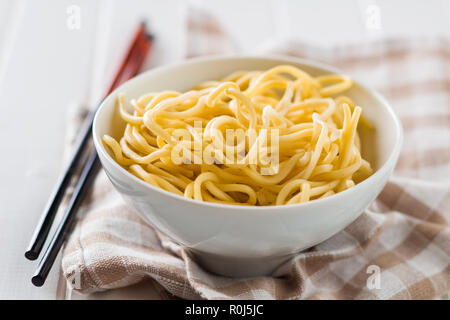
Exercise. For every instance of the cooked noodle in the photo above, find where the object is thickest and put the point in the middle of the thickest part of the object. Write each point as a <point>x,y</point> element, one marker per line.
<point>316,145</point>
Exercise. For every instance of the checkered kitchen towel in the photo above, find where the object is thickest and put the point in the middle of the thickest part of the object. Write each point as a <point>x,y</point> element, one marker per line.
<point>404,235</point>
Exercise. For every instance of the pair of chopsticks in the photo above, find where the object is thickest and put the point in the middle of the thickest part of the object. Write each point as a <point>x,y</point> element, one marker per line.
<point>129,67</point>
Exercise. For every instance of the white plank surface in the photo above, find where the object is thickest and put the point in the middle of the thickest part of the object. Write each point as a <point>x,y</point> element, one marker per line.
<point>44,66</point>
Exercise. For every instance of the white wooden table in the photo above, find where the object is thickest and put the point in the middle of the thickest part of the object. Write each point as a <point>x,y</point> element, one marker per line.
<point>46,63</point>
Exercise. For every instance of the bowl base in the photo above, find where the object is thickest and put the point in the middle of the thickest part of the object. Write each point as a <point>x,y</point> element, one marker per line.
<point>239,267</point>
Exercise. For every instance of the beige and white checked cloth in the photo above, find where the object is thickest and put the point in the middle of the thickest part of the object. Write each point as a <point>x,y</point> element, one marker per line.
<point>405,234</point>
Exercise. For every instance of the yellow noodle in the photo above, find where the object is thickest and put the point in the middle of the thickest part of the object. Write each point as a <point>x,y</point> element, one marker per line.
<point>317,145</point>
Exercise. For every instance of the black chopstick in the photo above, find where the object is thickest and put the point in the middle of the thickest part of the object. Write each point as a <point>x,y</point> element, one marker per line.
<point>43,228</point>
<point>87,177</point>
<point>129,68</point>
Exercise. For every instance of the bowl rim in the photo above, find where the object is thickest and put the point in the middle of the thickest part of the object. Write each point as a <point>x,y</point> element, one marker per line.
<point>390,162</point>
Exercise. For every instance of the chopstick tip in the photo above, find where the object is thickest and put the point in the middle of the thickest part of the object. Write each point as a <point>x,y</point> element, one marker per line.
<point>143,23</point>
<point>38,280</point>
<point>31,255</point>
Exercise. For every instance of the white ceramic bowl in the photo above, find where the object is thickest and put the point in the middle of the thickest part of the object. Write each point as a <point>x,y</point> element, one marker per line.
<point>236,240</point>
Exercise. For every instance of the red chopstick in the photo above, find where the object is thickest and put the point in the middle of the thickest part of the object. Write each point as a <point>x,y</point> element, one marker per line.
<point>134,58</point>
<point>129,67</point>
